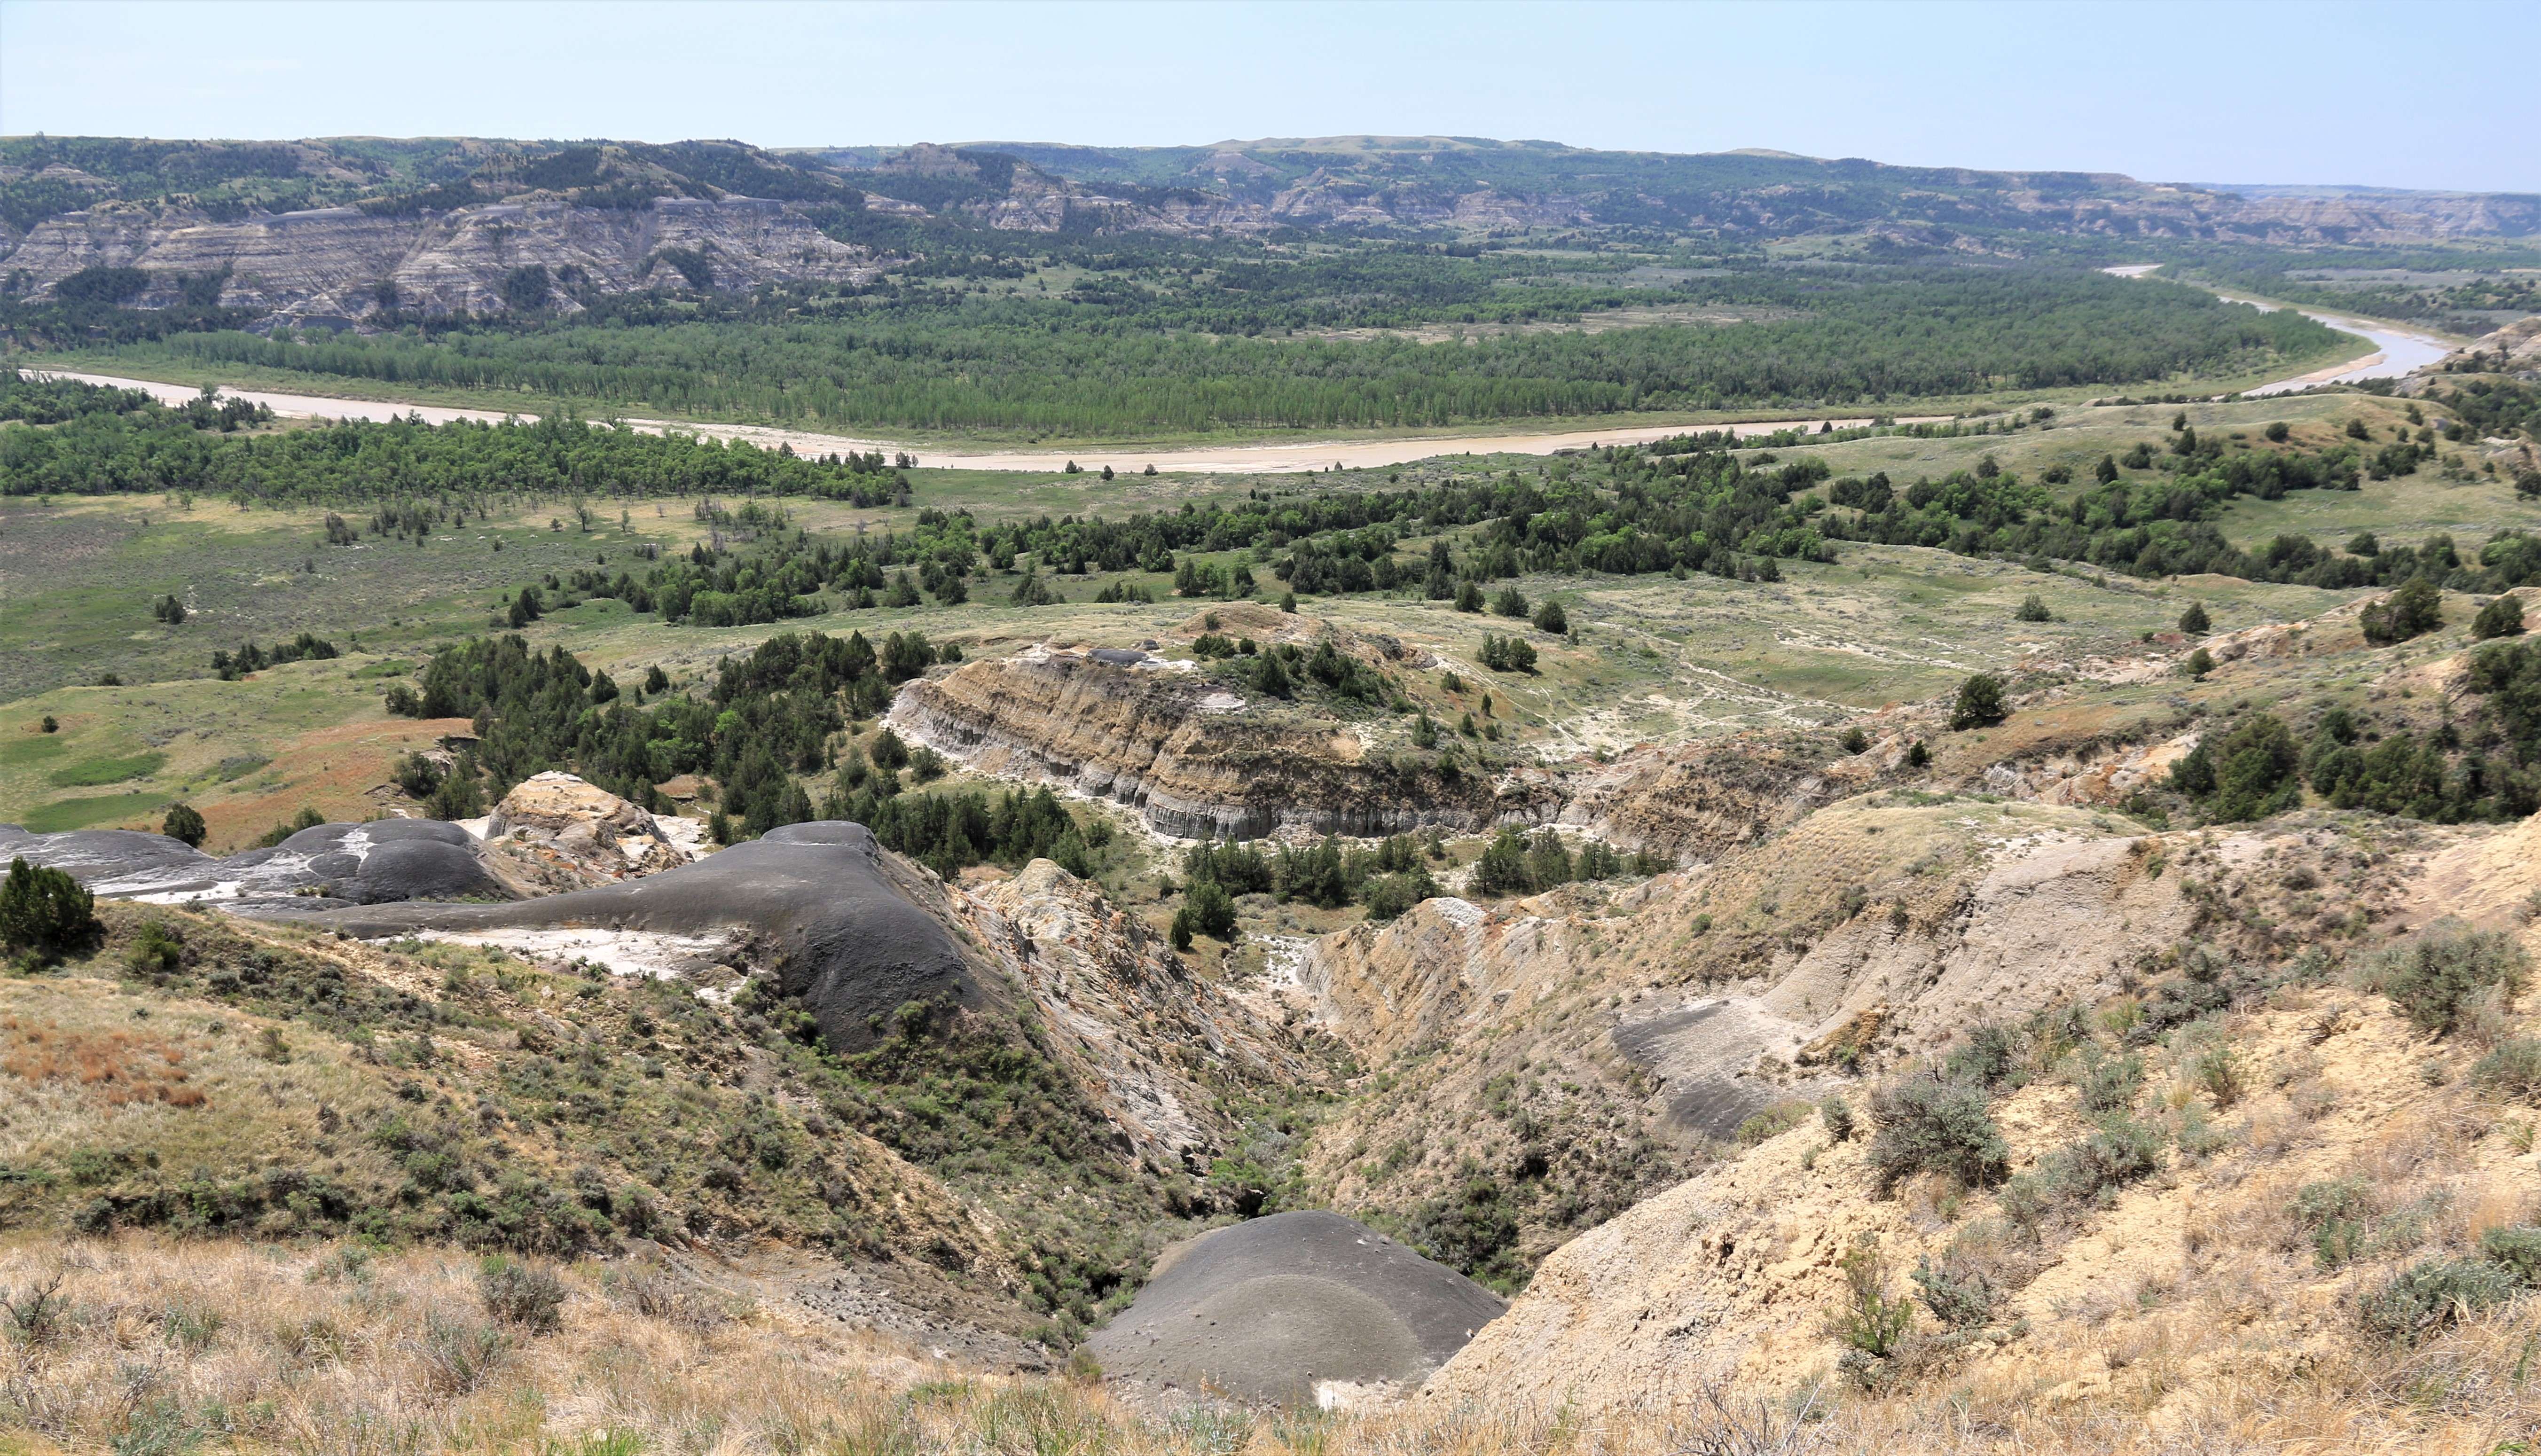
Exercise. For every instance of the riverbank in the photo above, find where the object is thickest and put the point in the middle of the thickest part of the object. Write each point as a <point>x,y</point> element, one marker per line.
<point>1210,459</point>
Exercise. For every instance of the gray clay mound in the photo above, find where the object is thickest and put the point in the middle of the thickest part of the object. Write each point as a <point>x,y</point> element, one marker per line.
<point>1270,1310</point>
<point>386,859</point>
<point>812,895</point>
<point>93,856</point>
<point>1699,1053</point>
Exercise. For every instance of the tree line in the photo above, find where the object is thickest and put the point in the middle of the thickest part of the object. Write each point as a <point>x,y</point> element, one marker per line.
<point>1090,367</point>
<point>108,444</point>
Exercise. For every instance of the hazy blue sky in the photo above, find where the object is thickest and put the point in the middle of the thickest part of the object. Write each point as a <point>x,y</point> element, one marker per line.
<point>2424,95</point>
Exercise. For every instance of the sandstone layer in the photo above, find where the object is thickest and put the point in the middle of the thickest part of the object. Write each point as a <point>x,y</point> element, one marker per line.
<point>1194,758</point>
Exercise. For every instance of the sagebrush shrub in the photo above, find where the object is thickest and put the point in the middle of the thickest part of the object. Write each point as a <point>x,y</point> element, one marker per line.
<point>2431,1296</point>
<point>2119,1151</point>
<point>2517,1249</point>
<point>2106,1083</point>
<point>2514,1068</point>
<point>1959,1296</point>
<point>1925,1123</point>
<point>518,1294</point>
<point>2436,980</point>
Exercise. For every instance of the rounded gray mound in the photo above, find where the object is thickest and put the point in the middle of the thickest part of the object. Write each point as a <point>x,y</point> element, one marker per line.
<point>385,859</point>
<point>851,946</point>
<point>1270,1310</point>
<point>94,856</point>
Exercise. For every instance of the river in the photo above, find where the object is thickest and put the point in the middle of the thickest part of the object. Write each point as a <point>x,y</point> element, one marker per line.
<point>2397,350</point>
<point>1223,459</point>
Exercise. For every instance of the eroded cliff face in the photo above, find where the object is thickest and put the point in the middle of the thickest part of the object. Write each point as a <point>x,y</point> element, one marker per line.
<point>1699,801</point>
<point>1587,1048</point>
<point>2195,1297</point>
<point>344,262</point>
<point>1198,759</point>
<point>1158,1049</point>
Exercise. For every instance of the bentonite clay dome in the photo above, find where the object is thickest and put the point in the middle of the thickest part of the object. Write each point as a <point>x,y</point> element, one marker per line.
<point>1292,1309</point>
<point>841,936</point>
<point>386,859</point>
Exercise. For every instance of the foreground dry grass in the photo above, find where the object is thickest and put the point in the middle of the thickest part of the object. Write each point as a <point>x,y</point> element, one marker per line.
<point>159,1347</point>
<point>155,1347</point>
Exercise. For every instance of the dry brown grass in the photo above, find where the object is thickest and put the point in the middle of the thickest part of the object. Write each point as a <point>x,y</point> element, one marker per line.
<point>166,1346</point>
<point>117,1067</point>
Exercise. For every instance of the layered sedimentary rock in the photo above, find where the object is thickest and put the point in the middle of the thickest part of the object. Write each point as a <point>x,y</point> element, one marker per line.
<point>344,262</point>
<point>1197,759</point>
<point>554,831</point>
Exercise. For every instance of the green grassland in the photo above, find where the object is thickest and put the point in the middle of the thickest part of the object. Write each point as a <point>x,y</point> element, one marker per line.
<point>1652,658</point>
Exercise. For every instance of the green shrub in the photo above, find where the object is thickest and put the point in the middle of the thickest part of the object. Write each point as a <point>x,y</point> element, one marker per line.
<point>184,824</point>
<point>2250,773</point>
<point>1869,1319</point>
<point>155,949</point>
<point>2431,1297</point>
<point>44,911</point>
<point>1836,1114</point>
<point>2514,1068</point>
<point>2335,1210</point>
<point>2517,1249</point>
<point>2119,1151</point>
<point>2435,979</point>
<point>2221,1072</point>
<point>1389,895</point>
<point>2502,617</point>
<point>2033,607</point>
<point>1978,703</point>
<point>1960,1298</point>
<point>307,818</point>
<point>458,796</point>
<point>2027,1200</point>
<point>1987,1057</point>
<point>2416,609</point>
<point>1772,1122</point>
<point>519,1294</point>
<point>1213,911</point>
<point>1925,1123</point>
<point>2105,1083</point>
<point>2195,621</point>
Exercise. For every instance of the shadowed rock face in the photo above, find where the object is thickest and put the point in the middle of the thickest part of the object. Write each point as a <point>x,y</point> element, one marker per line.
<point>812,899</point>
<point>1293,1309</point>
<point>387,859</point>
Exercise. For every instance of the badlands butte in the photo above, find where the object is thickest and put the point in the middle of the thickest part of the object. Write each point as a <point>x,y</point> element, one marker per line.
<point>2007,924</point>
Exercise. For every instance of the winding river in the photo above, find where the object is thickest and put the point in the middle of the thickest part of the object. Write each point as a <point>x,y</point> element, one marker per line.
<point>2397,350</point>
<point>1223,459</point>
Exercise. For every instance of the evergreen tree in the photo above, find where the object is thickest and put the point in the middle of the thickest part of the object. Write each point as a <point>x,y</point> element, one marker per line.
<point>183,822</point>
<point>1978,703</point>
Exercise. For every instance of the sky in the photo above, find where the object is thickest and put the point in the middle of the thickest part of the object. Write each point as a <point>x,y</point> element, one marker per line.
<point>2366,94</point>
